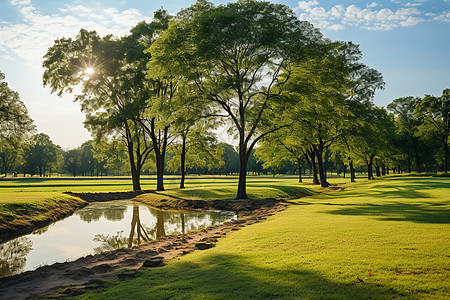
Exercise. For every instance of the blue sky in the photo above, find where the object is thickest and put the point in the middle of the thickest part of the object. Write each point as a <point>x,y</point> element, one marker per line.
<point>408,41</point>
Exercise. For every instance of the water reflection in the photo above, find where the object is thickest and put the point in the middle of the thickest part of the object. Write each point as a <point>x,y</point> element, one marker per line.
<point>110,210</point>
<point>13,255</point>
<point>97,228</point>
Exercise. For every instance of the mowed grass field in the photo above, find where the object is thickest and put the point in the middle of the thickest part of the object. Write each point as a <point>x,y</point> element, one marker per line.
<point>321,247</point>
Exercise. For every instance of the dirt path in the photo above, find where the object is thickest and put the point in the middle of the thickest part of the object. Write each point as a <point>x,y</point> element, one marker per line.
<point>72,278</point>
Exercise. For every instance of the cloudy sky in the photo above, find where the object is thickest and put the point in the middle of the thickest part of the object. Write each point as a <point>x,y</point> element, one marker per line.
<point>408,41</point>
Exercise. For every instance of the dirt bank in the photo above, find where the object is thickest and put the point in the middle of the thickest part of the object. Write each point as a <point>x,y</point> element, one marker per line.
<point>72,278</point>
<point>25,218</point>
<point>102,197</point>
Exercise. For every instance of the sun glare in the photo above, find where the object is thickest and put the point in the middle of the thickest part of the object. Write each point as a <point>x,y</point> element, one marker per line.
<point>89,71</point>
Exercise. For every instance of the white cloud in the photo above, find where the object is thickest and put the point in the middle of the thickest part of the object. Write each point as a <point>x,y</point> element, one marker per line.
<point>412,4</point>
<point>29,38</point>
<point>371,17</point>
<point>373,4</point>
<point>306,4</point>
<point>20,2</point>
<point>444,17</point>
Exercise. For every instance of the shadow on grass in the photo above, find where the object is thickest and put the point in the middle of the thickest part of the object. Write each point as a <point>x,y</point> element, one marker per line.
<point>234,277</point>
<point>65,185</point>
<point>412,188</point>
<point>424,212</point>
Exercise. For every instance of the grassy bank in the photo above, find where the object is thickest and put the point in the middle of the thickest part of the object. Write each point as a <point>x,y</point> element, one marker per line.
<point>30,203</point>
<point>19,216</point>
<point>322,246</point>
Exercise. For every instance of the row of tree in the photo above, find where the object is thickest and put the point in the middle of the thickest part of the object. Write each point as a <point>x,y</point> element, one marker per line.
<point>411,134</point>
<point>414,138</point>
<point>249,65</point>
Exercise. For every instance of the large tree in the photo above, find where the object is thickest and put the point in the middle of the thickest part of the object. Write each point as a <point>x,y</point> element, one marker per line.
<point>235,53</point>
<point>14,124</point>
<point>114,89</point>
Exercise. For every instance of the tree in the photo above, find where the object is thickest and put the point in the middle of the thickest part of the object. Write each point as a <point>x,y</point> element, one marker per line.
<point>115,91</point>
<point>234,54</point>
<point>364,83</point>
<point>72,161</point>
<point>407,124</point>
<point>14,124</point>
<point>276,149</point>
<point>230,159</point>
<point>41,155</point>
<point>14,118</point>
<point>371,140</point>
<point>436,113</point>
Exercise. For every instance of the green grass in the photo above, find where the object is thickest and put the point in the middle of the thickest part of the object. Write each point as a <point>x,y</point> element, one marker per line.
<point>321,247</point>
<point>25,202</point>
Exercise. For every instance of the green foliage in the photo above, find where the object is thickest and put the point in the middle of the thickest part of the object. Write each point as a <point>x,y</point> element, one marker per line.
<point>41,155</point>
<point>234,54</point>
<point>436,114</point>
<point>14,118</point>
<point>15,123</point>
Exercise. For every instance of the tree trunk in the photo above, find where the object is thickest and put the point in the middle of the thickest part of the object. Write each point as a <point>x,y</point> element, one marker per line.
<point>383,170</point>
<point>377,170</point>
<point>323,178</point>
<point>312,161</point>
<point>243,160</point>
<point>159,146</point>
<point>416,153</point>
<point>183,162</point>
<point>352,172</point>
<point>135,173</point>
<point>160,171</point>
<point>299,165</point>
<point>370,168</point>
<point>135,176</point>
<point>446,157</point>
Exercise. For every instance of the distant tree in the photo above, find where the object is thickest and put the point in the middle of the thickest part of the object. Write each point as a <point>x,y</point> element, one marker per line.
<point>436,113</point>
<point>234,53</point>
<point>372,140</point>
<point>197,148</point>
<point>230,159</point>
<point>407,124</point>
<point>72,161</point>
<point>41,155</point>
<point>285,145</point>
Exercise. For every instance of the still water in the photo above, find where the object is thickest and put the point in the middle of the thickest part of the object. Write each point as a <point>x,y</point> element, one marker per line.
<point>99,227</point>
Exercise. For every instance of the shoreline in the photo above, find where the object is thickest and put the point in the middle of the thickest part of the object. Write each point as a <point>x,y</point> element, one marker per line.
<point>71,278</point>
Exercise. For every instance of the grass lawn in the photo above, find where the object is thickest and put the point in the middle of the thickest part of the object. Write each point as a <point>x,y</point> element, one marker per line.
<point>321,247</point>
<point>26,201</point>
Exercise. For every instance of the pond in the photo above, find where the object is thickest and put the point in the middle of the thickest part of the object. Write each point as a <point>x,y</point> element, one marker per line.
<point>99,227</point>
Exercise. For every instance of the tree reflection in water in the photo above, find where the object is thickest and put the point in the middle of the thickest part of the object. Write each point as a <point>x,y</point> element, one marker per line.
<point>137,226</point>
<point>13,256</point>
<point>110,211</point>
